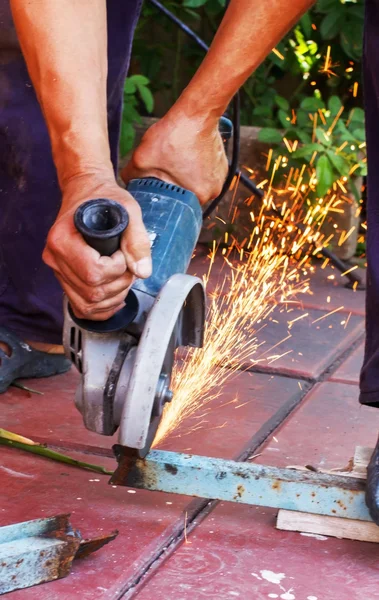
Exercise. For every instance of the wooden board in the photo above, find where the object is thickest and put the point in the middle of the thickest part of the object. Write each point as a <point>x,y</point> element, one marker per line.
<point>363,531</point>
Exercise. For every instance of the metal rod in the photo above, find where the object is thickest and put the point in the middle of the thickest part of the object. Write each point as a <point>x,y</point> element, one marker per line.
<point>227,480</point>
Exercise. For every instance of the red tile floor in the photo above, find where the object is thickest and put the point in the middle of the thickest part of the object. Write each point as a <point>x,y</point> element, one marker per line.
<point>304,411</point>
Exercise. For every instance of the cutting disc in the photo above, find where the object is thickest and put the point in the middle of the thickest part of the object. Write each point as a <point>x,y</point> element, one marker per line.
<point>176,319</point>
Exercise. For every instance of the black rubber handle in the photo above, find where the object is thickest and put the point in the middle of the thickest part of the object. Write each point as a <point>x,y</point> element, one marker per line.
<point>102,223</point>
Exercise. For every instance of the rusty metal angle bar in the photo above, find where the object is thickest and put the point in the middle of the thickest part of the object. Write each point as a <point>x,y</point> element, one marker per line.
<point>231,481</point>
<point>41,550</point>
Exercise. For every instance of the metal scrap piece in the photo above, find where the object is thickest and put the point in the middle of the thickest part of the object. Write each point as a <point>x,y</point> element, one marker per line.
<point>41,550</point>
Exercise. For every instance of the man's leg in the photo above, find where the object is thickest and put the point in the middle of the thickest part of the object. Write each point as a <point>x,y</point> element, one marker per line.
<point>30,296</point>
<point>369,381</point>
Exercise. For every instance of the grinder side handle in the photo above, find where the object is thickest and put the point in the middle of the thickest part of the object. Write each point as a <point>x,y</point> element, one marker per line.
<point>102,223</point>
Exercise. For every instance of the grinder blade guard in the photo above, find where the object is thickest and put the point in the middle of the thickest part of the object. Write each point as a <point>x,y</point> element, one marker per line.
<point>126,362</point>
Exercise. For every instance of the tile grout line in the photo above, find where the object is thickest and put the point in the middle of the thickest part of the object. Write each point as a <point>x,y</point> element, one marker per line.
<point>201,509</point>
<point>198,510</point>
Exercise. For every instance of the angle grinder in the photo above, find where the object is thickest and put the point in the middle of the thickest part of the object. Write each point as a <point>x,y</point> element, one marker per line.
<point>126,362</point>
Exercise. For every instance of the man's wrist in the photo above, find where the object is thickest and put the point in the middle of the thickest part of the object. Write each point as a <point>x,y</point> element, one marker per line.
<point>193,106</point>
<point>77,153</point>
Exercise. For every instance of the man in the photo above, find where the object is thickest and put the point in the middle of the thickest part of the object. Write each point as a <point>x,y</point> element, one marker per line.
<point>77,76</point>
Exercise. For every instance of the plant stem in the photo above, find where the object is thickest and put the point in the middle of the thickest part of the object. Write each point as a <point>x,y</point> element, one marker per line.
<point>57,456</point>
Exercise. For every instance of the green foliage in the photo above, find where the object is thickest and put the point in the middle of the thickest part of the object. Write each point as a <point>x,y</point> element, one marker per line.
<point>136,92</point>
<point>298,72</point>
<point>343,21</point>
<point>335,141</point>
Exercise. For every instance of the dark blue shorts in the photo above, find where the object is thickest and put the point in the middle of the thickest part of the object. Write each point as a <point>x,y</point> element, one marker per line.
<point>30,296</point>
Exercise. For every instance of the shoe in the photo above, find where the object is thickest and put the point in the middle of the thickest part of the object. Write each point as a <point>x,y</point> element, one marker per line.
<point>372,485</point>
<point>24,362</point>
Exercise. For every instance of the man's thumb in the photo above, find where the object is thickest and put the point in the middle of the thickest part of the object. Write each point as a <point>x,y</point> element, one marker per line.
<point>135,246</point>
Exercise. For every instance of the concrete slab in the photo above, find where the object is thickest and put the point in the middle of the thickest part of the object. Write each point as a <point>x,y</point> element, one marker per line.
<point>314,344</point>
<point>236,552</point>
<point>36,487</point>
<point>248,398</point>
<point>305,342</point>
<point>328,291</point>
<point>349,370</point>
<point>147,521</point>
<point>324,430</point>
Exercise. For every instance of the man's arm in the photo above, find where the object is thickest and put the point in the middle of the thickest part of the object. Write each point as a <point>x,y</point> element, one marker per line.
<point>65,47</point>
<point>184,147</point>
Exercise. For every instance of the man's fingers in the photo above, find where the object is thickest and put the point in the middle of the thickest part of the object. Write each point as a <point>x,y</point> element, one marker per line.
<point>135,245</point>
<point>97,293</point>
<point>83,261</point>
<point>95,311</point>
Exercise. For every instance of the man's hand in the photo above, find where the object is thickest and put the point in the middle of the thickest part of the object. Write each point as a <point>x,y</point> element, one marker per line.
<point>185,150</point>
<point>96,285</point>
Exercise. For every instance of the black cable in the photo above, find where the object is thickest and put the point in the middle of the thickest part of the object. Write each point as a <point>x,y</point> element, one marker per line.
<point>235,103</point>
<point>180,24</point>
<point>233,166</point>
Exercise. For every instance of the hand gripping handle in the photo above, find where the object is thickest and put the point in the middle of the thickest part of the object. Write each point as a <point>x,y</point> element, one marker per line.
<point>102,223</point>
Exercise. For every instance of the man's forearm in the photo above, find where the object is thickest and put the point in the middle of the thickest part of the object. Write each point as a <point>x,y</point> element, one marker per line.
<point>248,32</point>
<point>65,47</point>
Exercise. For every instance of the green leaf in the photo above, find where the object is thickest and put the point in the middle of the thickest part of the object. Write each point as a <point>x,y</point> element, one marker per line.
<point>351,39</point>
<point>357,116</point>
<point>363,169</point>
<point>311,104</point>
<point>322,137</point>
<point>129,86</point>
<point>52,454</point>
<point>192,13</point>
<point>270,136</point>
<point>303,121</point>
<point>306,24</point>
<point>334,105</point>
<point>340,164</point>
<point>282,102</point>
<point>331,25</point>
<point>325,175</point>
<point>284,118</point>
<point>139,80</point>
<point>324,6</point>
<point>147,97</point>
<point>307,150</point>
<point>304,137</point>
<point>345,135</point>
<point>127,137</point>
<point>194,3</point>
<point>359,134</point>
<point>262,111</point>
<point>353,188</point>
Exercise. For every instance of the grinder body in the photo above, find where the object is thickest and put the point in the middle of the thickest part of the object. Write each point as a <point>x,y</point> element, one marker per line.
<point>126,362</point>
<point>138,339</point>
<point>173,218</point>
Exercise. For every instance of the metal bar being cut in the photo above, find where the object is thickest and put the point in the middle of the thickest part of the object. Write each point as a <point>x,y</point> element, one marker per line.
<point>218,479</point>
